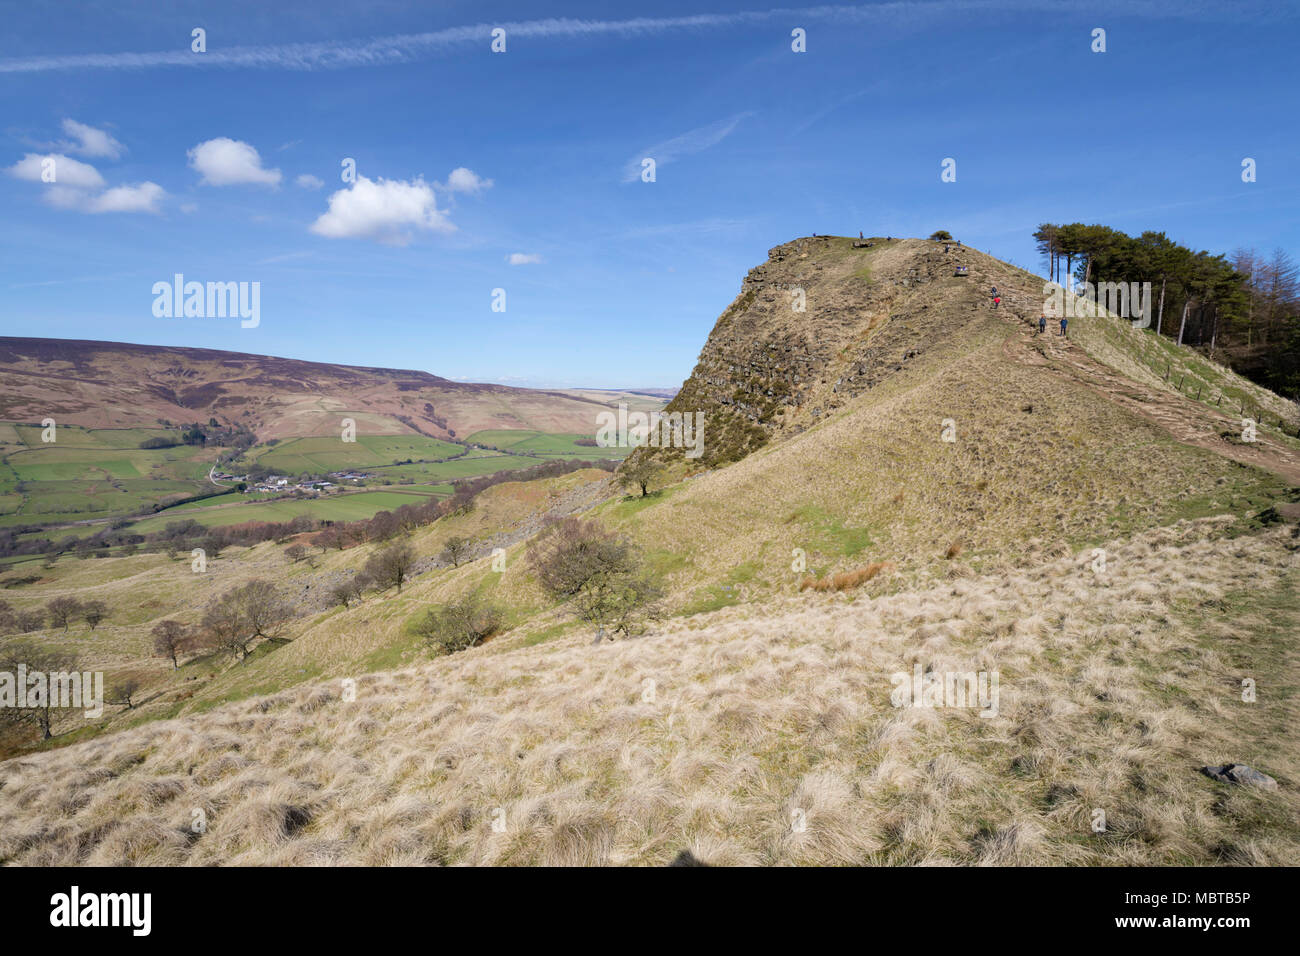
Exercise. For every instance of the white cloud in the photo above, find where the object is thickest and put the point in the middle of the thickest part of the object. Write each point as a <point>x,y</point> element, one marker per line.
<point>64,197</point>
<point>308,181</point>
<point>141,197</point>
<point>231,162</point>
<point>385,210</point>
<point>67,172</point>
<point>285,257</point>
<point>693,141</point>
<point>91,141</point>
<point>464,180</point>
<point>74,185</point>
<point>189,207</point>
<point>523,258</point>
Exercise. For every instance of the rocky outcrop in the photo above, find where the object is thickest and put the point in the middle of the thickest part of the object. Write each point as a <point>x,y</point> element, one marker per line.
<point>820,322</point>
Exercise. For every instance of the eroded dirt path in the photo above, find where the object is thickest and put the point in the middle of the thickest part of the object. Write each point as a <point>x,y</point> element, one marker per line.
<point>1189,422</point>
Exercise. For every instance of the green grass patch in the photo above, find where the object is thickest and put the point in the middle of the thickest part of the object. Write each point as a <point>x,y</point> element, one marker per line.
<point>549,444</point>
<point>826,533</point>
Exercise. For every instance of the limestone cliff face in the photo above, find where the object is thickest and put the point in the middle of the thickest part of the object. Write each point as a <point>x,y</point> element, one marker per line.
<point>868,306</point>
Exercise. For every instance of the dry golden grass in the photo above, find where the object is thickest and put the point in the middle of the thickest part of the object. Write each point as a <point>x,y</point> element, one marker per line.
<point>1076,469</point>
<point>751,738</point>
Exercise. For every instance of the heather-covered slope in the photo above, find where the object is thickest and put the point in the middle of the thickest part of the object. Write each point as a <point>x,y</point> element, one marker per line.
<point>116,385</point>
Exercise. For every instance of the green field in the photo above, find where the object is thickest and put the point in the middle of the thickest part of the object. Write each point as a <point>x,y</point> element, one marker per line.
<point>220,500</point>
<point>92,473</point>
<point>466,467</point>
<point>345,507</point>
<point>325,454</point>
<point>544,443</point>
<point>98,474</point>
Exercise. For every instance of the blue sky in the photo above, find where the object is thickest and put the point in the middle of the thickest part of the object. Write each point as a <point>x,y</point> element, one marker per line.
<point>181,162</point>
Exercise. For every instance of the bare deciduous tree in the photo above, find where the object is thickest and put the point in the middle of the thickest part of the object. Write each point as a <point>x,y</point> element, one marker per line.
<point>8,618</point>
<point>36,706</point>
<point>223,629</point>
<point>460,625</point>
<point>62,610</point>
<point>596,570</point>
<point>234,621</point>
<point>263,608</point>
<point>349,590</point>
<point>94,612</point>
<point>455,550</point>
<point>391,566</point>
<point>170,639</point>
<point>125,690</point>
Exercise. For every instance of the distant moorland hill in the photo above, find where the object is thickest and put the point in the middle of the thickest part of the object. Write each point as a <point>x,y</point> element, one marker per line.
<point>119,385</point>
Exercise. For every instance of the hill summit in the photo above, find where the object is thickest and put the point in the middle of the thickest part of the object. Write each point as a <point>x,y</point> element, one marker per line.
<point>827,319</point>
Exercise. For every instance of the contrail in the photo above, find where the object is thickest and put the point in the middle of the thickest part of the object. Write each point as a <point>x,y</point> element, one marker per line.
<point>405,48</point>
<point>401,48</point>
<point>694,141</point>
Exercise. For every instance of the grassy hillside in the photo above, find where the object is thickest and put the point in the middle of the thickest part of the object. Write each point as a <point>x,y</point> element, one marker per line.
<point>981,468</point>
<point>1039,460</point>
<point>751,737</point>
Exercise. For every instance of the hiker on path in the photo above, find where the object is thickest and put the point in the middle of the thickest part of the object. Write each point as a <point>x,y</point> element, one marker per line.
<point>1042,324</point>
<point>994,293</point>
<point>860,234</point>
<point>1063,321</point>
<point>997,299</point>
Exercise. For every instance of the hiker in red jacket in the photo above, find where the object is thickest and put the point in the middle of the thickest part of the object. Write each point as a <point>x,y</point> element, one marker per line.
<point>996,299</point>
